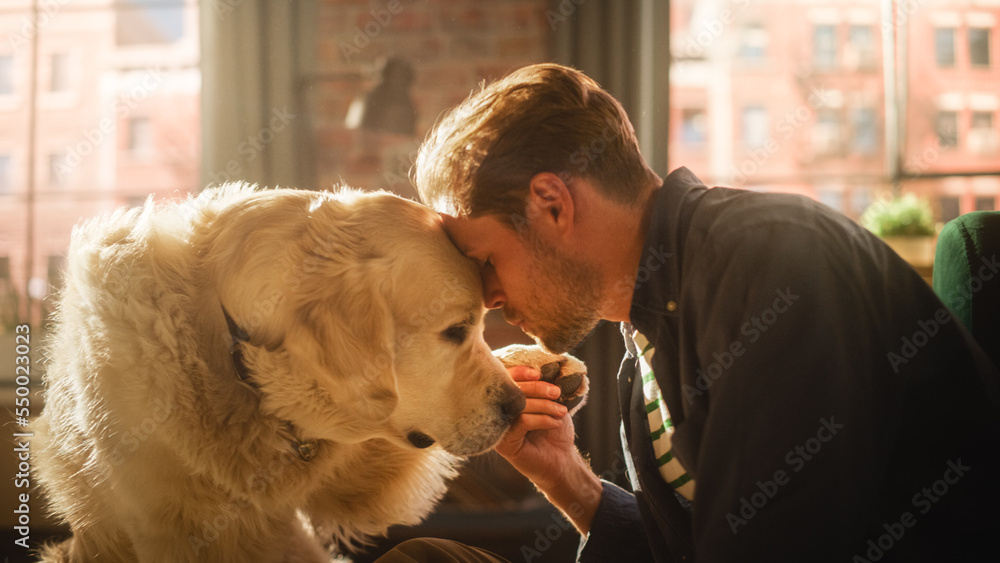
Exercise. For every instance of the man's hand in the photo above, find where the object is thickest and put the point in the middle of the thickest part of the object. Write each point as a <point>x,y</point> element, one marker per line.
<point>540,444</point>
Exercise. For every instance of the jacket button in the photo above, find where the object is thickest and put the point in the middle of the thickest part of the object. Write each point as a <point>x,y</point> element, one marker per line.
<point>671,306</point>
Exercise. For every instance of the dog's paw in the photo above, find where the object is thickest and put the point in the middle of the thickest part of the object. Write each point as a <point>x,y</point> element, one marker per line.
<point>569,373</point>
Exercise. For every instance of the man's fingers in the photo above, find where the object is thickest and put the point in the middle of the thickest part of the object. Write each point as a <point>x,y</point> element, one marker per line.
<point>544,406</point>
<point>524,373</point>
<point>528,422</point>
<point>539,389</point>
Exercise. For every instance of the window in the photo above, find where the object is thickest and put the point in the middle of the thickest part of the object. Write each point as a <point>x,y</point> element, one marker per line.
<point>979,46</point>
<point>755,127</point>
<point>983,137</point>
<point>824,46</point>
<point>89,91</point>
<point>59,77</point>
<point>985,203</point>
<point>140,136</point>
<point>753,40</point>
<point>944,46</point>
<point>947,129</point>
<point>58,170</point>
<point>825,117</point>
<point>865,131</point>
<point>693,127</point>
<point>826,132</point>
<point>5,172</point>
<point>862,46</point>
<point>982,120</point>
<point>949,208</point>
<point>6,75</point>
<point>831,197</point>
<point>151,22</point>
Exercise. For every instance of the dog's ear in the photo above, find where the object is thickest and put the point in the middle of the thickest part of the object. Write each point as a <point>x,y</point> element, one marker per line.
<point>344,334</point>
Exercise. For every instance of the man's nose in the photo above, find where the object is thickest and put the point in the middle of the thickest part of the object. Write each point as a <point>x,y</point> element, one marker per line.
<point>493,295</point>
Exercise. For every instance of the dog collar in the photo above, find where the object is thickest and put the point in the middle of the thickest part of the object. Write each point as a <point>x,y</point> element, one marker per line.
<point>306,449</point>
<point>238,336</point>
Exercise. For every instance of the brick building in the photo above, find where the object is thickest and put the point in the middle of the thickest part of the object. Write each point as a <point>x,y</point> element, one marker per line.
<point>116,118</point>
<point>794,96</point>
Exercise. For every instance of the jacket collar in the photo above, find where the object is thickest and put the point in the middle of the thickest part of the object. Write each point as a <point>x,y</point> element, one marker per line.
<point>657,284</point>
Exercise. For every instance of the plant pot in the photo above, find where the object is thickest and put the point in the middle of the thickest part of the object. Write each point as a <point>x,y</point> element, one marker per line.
<point>918,251</point>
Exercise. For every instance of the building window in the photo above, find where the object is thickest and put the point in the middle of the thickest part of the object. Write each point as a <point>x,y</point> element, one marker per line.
<point>6,75</point>
<point>862,43</point>
<point>753,41</point>
<point>140,136</point>
<point>983,137</point>
<point>59,78</point>
<point>826,132</point>
<point>5,172</point>
<point>865,139</point>
<point>150,22</point>
<point>950,208</point>
<point>979,46</point>
<point>58,171</point>
<point>946,127</point>
<point>982,120</point>
<point>985,203</point>
<point>824,46</point>
<point>831,197</point>
<point>693,128</point>
<point>755,127</point>
<point>944,46</point>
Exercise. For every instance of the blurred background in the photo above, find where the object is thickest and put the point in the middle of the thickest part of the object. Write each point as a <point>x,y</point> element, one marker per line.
<point>105,103</point>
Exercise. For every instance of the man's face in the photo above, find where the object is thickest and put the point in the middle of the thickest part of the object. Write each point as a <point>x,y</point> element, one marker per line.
<point>551,296</point>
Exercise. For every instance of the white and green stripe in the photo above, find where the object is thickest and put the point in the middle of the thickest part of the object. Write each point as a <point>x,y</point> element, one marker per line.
<point>660,426</point>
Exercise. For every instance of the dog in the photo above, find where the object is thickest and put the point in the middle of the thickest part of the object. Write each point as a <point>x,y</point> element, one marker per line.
<point>265,375</point>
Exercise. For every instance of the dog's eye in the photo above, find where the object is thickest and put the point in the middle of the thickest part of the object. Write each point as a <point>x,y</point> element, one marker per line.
<point>455,333</point>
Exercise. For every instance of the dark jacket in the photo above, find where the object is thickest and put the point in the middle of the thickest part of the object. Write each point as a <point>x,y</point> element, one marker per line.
<point>827,404</point>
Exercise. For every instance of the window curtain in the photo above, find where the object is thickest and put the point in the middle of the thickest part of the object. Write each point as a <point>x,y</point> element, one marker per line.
<point>624,47</point>
<point>256,55</point>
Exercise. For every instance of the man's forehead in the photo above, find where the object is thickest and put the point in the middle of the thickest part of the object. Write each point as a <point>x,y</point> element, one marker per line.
<point>468,234</point>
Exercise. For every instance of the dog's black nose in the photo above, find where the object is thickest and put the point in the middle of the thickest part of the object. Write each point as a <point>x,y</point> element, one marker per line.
<point>511,404</point>
<point>420,440</point>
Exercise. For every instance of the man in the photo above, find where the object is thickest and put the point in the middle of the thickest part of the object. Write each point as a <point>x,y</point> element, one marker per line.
<point>793,390</point>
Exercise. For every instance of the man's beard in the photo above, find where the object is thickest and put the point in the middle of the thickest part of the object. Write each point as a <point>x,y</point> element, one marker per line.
<point>565,294</point>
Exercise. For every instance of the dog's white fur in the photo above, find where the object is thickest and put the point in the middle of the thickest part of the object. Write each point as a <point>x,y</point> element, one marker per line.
<point>365,325</point>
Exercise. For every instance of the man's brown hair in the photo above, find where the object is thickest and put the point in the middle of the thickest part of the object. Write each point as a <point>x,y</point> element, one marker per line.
<point>480,158</point>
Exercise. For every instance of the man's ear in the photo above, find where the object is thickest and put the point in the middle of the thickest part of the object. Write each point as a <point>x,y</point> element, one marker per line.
<point>550,207</point>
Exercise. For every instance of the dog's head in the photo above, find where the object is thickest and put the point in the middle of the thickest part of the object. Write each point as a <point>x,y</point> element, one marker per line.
<point>363,320</point>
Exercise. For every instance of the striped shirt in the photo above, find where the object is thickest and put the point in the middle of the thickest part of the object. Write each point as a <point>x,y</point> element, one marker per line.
<point>660,426</point>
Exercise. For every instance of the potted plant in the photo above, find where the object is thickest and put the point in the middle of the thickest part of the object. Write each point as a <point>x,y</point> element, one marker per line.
<point>907,225</point>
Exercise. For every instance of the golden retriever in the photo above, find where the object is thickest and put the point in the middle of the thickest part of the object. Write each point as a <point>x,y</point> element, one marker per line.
<point>263,375</point>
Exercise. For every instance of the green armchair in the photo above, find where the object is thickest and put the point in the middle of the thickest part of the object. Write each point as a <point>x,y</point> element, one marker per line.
<point>967,275</point>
